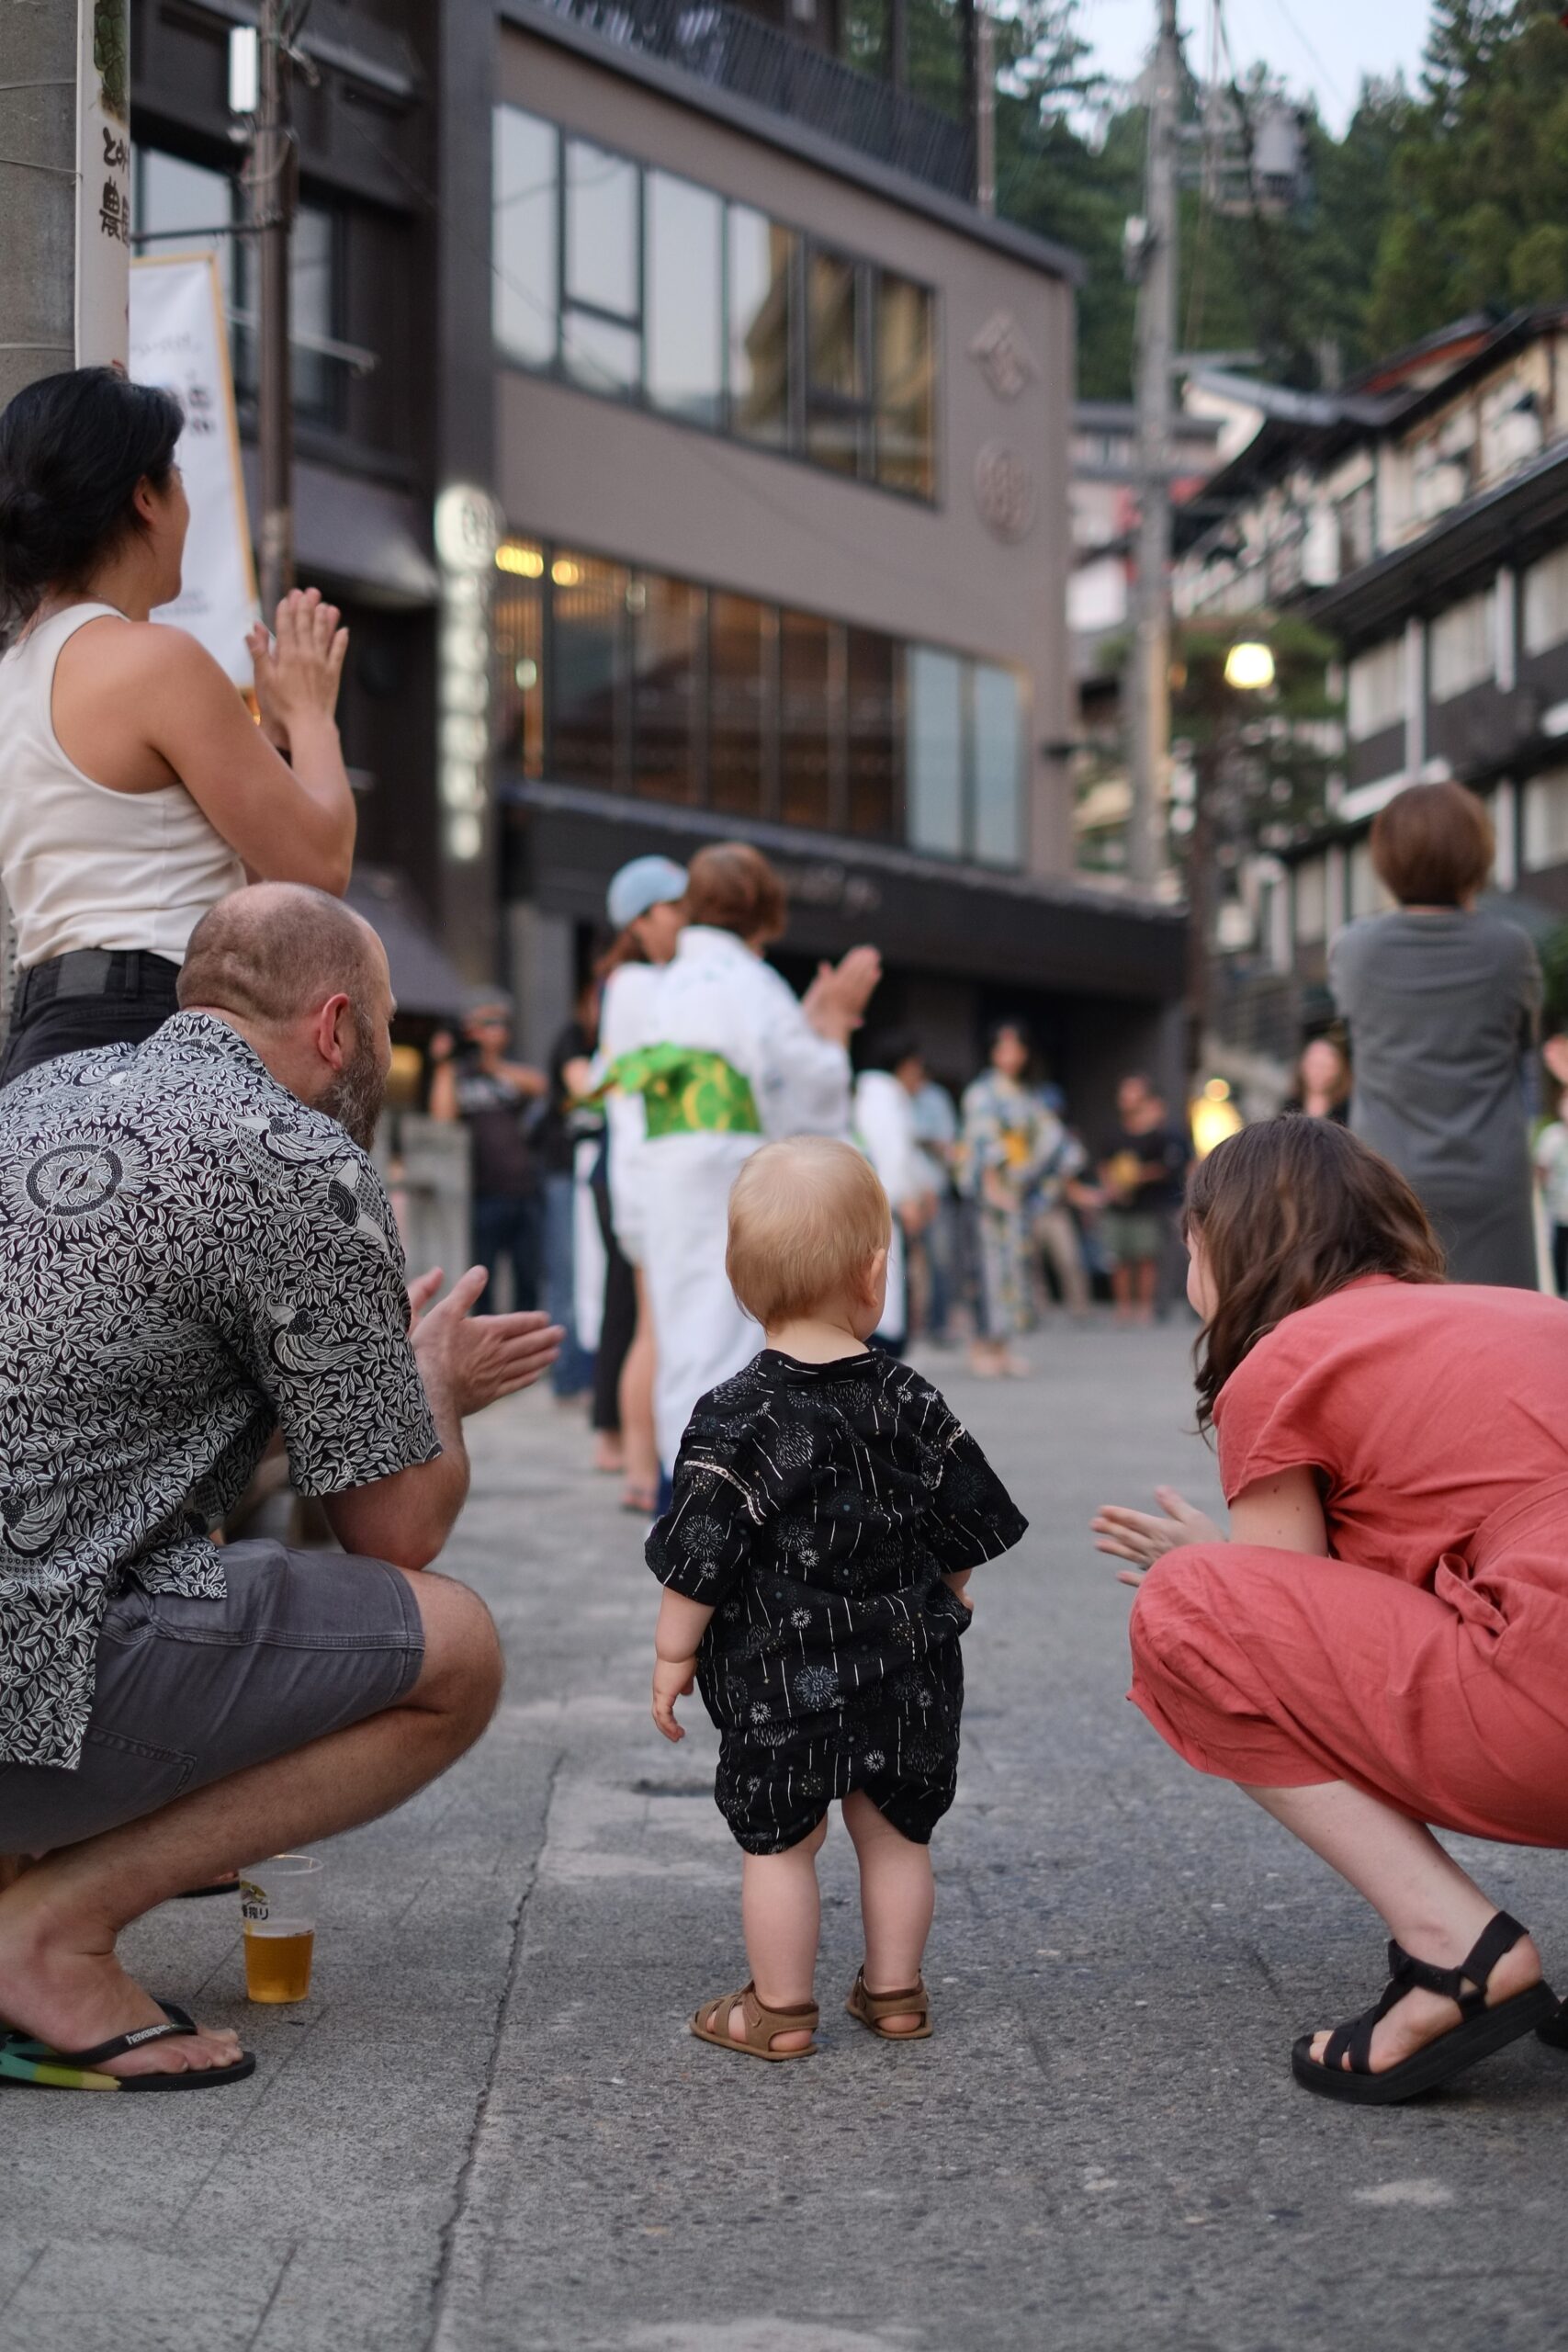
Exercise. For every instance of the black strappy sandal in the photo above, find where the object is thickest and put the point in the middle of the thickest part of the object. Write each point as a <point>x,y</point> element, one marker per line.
<point>1480,2033</point>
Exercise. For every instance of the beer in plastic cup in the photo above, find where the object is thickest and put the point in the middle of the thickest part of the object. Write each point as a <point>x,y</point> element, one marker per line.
<point>278,1907</point>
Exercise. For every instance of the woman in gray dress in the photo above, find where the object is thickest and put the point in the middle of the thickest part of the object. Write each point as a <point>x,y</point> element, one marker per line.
<point>1441,1003</point>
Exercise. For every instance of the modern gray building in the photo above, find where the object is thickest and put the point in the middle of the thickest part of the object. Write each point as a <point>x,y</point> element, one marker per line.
<point>694,448</point>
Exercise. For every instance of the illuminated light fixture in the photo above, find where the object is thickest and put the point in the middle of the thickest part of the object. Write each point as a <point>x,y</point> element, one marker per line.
<point>245,69</point>
<point>564,573</point>
<point>526,562</point>
<point>527,674</point>
<point>1249,668</point>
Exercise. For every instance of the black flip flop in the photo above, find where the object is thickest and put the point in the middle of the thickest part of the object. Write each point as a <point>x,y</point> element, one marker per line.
<point>1480,2033</point>
<point>23,2059</point>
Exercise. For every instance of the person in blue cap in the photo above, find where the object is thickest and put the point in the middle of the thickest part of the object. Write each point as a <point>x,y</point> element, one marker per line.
<point>646,908</point>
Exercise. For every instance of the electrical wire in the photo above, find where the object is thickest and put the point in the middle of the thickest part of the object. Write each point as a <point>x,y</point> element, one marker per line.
<point>1335,90</point>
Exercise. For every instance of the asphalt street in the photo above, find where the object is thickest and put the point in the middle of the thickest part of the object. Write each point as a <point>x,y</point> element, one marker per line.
<point>489,2130</point>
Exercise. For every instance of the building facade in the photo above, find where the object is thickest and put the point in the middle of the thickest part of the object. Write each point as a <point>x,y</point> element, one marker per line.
<point>690,452</point>
<point>1420,519</point>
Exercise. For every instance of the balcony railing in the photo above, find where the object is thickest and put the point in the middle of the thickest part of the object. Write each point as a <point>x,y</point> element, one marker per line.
<point>735,53</point>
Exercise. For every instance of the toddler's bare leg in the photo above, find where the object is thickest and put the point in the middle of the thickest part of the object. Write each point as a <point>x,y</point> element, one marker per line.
<point>781,1914</point>
<point>897,1896</point>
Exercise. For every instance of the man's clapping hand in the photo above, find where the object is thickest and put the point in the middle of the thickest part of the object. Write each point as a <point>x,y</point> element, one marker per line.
<point>470,1360</point>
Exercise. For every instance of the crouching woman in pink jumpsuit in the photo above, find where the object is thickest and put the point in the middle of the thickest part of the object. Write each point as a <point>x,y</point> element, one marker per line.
<point>1380,1647</point>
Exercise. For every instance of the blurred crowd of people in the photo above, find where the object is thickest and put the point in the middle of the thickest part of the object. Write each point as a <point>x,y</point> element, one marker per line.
<point>600,1181</point>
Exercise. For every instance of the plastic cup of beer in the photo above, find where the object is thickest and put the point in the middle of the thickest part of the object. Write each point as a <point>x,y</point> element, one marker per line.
<point>278,1909</point>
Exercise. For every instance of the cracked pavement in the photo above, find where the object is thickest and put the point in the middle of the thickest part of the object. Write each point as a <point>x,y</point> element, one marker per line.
<point>489,2130</point>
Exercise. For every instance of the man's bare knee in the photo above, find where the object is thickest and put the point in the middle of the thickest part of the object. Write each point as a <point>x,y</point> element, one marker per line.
<point>463,1668</point>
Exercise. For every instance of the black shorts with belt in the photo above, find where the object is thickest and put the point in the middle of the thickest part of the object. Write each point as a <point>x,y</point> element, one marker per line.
<point>94,996</point>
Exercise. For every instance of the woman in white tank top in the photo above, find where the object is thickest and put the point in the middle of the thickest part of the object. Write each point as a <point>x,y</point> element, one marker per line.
<point>135,792</point>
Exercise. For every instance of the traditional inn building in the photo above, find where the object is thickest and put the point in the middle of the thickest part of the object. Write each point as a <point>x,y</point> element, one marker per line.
<point>1420,519</point>
<point>690,451</point>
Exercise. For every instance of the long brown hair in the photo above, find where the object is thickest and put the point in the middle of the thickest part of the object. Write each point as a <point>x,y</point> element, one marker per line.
<point>1289,1211</point>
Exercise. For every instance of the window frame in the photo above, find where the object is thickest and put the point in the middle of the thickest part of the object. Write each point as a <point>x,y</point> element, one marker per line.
<point>840,734</point>
<point>868,272</point>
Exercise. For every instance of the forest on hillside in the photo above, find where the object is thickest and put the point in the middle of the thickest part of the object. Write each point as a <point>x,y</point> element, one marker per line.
<point>1446,198</point>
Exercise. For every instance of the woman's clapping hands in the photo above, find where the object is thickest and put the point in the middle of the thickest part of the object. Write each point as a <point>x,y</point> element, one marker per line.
<point>1143,1538</point>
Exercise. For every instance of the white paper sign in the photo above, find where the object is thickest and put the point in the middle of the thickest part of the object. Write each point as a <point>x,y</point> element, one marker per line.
<point>103,180</point>
<point>178,339</point>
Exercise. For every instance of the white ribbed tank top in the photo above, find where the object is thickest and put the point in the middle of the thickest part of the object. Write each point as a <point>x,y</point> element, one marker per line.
<point>84,867</point>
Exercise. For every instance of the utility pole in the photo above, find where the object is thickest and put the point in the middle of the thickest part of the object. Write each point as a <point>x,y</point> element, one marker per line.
<point>985,111</point>
<point>1150,666</point>
<point>273,181</point>
<point>65,188</point>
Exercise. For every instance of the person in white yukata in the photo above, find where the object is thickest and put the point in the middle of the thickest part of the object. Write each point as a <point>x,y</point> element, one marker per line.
<point>739,1059</point>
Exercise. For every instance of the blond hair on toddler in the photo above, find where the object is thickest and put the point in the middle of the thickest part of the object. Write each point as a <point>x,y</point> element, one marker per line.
<point>807,1217</point>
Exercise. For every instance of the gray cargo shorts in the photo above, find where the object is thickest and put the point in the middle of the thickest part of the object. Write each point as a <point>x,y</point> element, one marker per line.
<point>190,1691</point>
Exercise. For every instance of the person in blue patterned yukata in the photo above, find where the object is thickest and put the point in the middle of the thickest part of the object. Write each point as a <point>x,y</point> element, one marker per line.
<point>827,1512</point>
<point>195,1250</point>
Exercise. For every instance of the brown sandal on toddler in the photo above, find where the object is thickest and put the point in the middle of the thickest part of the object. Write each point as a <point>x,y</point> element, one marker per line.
<point>869,2008</point>
<point>762,2026</point>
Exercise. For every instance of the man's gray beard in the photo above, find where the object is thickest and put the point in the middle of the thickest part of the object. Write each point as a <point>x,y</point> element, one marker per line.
<point>354,1097</point>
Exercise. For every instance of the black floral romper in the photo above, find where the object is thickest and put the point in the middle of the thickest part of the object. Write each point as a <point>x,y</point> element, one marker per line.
<point>818,1508</point>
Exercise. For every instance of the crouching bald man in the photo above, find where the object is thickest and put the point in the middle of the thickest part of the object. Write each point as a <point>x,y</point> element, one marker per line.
<point>195,1250</point>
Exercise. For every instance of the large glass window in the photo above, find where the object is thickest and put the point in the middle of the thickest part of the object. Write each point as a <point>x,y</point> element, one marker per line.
<point>636,283</point>
<point>312,308</point>
<point>588,729</point>
<point>762,274</point>
<point>517,631</point>
<point>528,243</point>
<point>836,392</point>
<point>602,299</point>
<point>806,719</point>
<point>935,752</point>
<point>872,666</point>
<point>625,680</point>
<point>667,688</point>
<point>997,765</point>
<point>685,300</point>
<point>741,648</point>
<point>905,388</point>
<point>173,201</point>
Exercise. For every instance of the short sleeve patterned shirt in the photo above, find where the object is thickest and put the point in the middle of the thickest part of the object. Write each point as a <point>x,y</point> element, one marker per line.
<point>189,1259</point>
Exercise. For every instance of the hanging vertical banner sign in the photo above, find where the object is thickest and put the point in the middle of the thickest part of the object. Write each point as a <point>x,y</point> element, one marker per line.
<point>178,339</point>
<point>103,180</point>
<point>468,530</point>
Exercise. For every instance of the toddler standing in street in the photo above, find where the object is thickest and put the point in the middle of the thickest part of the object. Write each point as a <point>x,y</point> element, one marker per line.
<point>828,1511</point>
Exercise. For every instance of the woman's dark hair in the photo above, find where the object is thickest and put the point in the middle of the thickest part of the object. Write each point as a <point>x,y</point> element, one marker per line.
<point>731,886</point>
<point>72,449</point>
<point>889,1049</point>
<point>1008,1026</point>
<point>1289,1211</point>
<point>1433,845</point>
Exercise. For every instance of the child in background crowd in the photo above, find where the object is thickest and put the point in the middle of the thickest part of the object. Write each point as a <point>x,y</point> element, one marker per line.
<point>827,1512</point>
<point>1551,1175</point>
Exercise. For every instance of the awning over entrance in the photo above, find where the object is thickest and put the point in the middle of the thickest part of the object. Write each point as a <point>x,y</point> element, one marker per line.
<point>425,983</point>
<point>358,536</point>
<point>1023,930</point>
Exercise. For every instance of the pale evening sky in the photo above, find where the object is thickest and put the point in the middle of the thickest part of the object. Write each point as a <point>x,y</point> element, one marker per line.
<point>1324,46</point>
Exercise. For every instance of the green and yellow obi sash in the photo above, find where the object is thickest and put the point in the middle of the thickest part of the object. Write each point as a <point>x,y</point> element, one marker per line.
<point>686,1092</point>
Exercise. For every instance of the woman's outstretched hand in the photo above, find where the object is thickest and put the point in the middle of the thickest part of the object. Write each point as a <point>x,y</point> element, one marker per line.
<point>299,670</point>
<point>1141,1538</point>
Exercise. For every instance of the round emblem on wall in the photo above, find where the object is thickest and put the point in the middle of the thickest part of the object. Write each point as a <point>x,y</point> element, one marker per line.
<point>75,1178</point>
<point>1005,491</point>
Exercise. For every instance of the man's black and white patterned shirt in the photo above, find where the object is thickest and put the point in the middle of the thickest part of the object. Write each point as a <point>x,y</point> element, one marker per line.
<point>189,1259</point>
